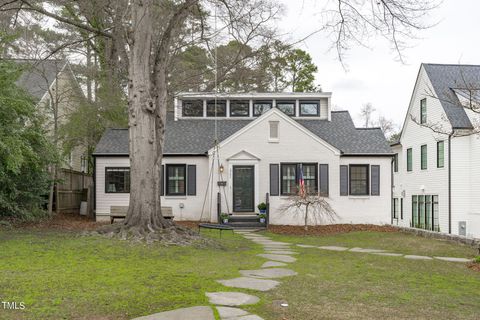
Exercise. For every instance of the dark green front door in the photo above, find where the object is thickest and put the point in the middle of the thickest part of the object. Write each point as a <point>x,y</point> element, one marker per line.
<point>243,188</point>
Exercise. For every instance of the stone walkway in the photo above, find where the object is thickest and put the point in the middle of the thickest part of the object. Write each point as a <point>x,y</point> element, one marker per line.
<point>266,278</point>
<point>381,252</point>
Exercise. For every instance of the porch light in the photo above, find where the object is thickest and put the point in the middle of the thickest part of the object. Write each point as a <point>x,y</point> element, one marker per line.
<point>221,168</point>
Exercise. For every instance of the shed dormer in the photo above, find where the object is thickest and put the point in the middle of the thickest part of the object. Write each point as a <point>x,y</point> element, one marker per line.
<point>250,105</point>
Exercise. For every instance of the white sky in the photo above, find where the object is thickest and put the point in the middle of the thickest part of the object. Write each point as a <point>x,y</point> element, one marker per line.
<point>375,75</point>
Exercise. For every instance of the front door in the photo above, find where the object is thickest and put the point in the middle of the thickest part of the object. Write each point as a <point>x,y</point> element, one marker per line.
<point>243,188</point>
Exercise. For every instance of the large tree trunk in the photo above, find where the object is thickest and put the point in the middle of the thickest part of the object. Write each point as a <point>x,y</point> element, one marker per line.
<point>144,212</point>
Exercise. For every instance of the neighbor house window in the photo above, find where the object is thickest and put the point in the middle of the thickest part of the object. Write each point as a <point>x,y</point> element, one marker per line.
<point>220,107</point>
<point>423,111</point>
<point>175,179</point>
<point>117,180</point>
<point>409,159</point>
<point>425,212</point>
<point>395,162</point>
<point>440,154</point>
<point>423,157</point>
<point>395,208</point>
<point>287,107</point>
<point>309,109</point>
<point>239,108</point>
<point>359,179</point>
<point>260,107</point>
<point>192,108</point>
<point>290,173</point>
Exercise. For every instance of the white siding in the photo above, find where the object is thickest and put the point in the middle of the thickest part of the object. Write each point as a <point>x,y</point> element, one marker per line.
<point>192,205</point>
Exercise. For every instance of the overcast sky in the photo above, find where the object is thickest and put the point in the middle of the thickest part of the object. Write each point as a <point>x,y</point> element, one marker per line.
<point>375,75</point>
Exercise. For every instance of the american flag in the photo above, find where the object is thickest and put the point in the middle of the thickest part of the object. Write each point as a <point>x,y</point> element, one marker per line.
<point>301,182</point>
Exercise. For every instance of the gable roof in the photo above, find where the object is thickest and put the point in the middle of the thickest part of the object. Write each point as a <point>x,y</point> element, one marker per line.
<point>445,78</point>
<point>196,136</point>
<point>38,75</point>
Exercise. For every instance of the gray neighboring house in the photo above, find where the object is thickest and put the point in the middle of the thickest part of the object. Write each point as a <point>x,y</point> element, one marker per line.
<point>264,141</point>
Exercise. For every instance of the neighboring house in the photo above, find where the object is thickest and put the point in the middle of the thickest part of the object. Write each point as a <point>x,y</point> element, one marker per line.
<point>436,167</point>
<point>57,93</point>
<point>263,139</point>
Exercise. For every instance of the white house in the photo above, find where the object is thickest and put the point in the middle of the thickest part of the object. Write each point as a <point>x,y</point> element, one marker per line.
<point>263,140</point>
<point>437,172</point>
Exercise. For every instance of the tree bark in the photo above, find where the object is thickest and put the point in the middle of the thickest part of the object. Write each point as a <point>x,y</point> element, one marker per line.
<point>144,212</point>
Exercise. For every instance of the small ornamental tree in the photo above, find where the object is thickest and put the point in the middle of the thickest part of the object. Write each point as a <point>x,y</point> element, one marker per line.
<point>311,206</point>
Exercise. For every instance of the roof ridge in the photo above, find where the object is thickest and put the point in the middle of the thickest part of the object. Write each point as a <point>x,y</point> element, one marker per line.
<point>451,64</point>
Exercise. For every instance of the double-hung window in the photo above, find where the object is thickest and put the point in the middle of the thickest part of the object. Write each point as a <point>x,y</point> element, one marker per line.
<point>423,157</point>
<point>440,154</point>
<point>117,180</point>
<point>409,159</point>
<point>359,182</point>
<point>423,111</point>
<point>290,177</point>
<point>176,178</point>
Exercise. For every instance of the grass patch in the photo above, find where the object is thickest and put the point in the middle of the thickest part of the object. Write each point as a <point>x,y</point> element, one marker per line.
<point>61,275</point>
<point>346,285</point>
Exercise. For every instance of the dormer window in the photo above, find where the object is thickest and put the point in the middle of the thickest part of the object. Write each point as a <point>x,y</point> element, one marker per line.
<point>220,106</point>
<point>309,109</point>
<point>192,108</point>
<point>260,107</point>
<point>239,108</point>
<point>287,107</point>
<point>423,111</point>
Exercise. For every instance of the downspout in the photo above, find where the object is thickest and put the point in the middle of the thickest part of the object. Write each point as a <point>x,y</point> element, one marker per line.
<point>391,190</point>
<point>450,182</point>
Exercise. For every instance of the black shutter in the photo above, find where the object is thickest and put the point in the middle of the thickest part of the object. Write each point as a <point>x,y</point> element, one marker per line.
<point>274,181</point>
<point>323,177</point>
<point>192,180</point>
<point>162,180</point>
<point>344,180</point>
<point>375,181</point>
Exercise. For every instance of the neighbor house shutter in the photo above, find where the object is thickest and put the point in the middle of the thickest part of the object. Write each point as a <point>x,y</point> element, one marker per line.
<point>344,180</point>
<point>192,180</point>
<point>162,180</point>
<point>274,183</point>
<point>375,180</point>
<point>323,178</point>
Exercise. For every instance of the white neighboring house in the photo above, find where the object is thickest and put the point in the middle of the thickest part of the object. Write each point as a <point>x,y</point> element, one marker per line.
<point>436,167</point>
<point>263,139</point>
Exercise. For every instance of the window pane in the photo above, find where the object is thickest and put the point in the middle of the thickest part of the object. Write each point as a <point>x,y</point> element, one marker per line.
<point>414,211</point>
<point>287,107</point>
<point>409,159</point>
<point>273,129</point>
<point>423,111</point>
<point>395,162</point>
<point>310,177</point>
<point>175,179</point>
<point>260,107</point>
<point>289,185</point>
<point>440,154</point>
<point>395,208</point>
<point>421,212</point>
<point>423,157</point>
<point>436,226</point>
<point>359,179</point>
<point>221,108</point>
<point>192,108</point>
<point>309,109</point>
<point>117,180</point>
<point>239,108</point>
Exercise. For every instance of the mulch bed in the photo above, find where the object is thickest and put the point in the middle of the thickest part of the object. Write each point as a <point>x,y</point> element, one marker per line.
<point>62,221</point>
<point>328,229</point>
<point>474,266</point>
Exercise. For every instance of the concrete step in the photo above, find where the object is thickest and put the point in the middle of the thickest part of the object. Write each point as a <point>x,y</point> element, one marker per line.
<point>243,218</point>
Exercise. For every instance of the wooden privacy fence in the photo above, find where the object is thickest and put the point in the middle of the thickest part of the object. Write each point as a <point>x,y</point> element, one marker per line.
<point>73,187</point>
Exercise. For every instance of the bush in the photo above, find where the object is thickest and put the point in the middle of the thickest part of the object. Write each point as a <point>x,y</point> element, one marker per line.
<point>477,259</point>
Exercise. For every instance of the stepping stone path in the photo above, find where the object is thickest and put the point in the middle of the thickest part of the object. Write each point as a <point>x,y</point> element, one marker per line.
<point>269,273</point>
<point>333,248</point>
<point>414,257</point>
<point>232,299</point>
<point>250,283</point>
<point>193,313</point>
<point>270,264</point>
<point>277,257</point>
<point>452,259</point>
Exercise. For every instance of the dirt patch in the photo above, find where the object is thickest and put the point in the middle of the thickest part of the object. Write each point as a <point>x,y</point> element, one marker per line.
<point>328,229</point>
<point>189,224</point>
<point>62,221</point>
<point>474,266</point>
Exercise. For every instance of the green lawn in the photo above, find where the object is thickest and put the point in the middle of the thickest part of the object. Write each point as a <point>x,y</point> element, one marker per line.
<point>346,285</point>
<point>60,275</point>
<point>63,275</point>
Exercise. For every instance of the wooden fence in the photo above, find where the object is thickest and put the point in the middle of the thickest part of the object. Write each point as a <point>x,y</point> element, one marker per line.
<point>72,188</point>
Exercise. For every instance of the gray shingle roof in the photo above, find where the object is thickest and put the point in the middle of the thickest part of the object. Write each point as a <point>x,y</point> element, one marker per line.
<point>444,78</point>
<point>196,136</point>
<point>38,75</point>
